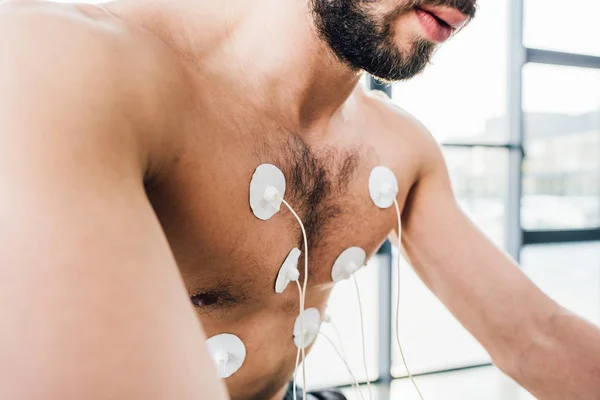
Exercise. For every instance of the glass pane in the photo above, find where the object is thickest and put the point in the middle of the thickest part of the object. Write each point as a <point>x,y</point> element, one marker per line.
<point>324,368</point>
<point>431,337</point>
<point>570,274</point>
<point>480,178</point>
<point>569,26</point>
<point>461,97</point>
<point>562,141</point>
<point>486,383</point>
<point>473,384</point>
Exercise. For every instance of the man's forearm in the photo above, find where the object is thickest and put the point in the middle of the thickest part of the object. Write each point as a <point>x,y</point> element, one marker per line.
<point>562,360</point>
<point>550,352</point>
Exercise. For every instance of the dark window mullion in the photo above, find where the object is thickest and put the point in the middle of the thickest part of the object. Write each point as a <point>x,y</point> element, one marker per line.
<point>565,59</point>
<point>561,236</point>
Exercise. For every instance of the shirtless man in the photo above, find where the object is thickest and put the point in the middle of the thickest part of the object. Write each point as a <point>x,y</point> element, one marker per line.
<point>129,137</point>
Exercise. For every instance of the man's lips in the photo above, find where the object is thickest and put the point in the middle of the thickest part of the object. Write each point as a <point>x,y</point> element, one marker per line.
<point>436,29</point>
<point>451,16</point>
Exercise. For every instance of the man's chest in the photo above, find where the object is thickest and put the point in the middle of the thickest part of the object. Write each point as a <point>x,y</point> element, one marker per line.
<point>204,206</point>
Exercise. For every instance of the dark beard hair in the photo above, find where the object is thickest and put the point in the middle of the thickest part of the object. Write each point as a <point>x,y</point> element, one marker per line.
<point>360,41</point>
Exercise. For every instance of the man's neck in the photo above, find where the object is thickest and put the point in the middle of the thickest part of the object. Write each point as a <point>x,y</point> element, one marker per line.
<point>268,48</point>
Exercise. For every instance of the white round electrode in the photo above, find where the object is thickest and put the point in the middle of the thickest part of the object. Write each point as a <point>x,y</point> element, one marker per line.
<point>288,271</point>
<point>348,263</point>
<point>267,189</point>
<point>228,353</point>
<point>383,187</point>
<point>312,325</point>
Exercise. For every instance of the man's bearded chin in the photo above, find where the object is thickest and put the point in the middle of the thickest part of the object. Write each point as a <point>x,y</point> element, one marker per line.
<point>366,42</point>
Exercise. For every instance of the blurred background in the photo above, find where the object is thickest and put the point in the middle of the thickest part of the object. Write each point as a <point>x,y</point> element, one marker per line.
<point>515,101</point>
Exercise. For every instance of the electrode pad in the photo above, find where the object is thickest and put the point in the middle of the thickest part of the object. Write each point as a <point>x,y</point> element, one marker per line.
<point>267,189</point>
<point>383,187</point>
<point>288,271</point>
<point>348,263</point>
<point>228,352</point>
<point>312,324</point>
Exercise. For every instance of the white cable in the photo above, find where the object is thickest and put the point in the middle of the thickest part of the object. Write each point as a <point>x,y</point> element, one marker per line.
<point>362,334</point>
<point>398,302</point>
<point>354,380</point>
<point>339,339</point>
<point>303,296</point>
<point>343,352</point>
<point>298,351</point>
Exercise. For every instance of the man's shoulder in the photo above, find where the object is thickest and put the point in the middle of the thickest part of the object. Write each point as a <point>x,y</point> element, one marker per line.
<point>400,131</point>
<point>66,40</point>
<point>80,36</point>
<point>58,50</point>
<point>50,27</point>
<point>84,65</point>
<point>394,121</point>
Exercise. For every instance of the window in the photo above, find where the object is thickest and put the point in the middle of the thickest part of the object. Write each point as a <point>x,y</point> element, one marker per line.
<point>568,26</point>
<point>569,273</point>
<point>473,384</point>
<point>461,97</point>
<point>479,180</point>
<point>431,337</point>
<point>562,128</point>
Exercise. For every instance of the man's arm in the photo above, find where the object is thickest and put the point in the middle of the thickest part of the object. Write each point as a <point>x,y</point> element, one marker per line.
<point>92,304</point>
<point>549,351</point>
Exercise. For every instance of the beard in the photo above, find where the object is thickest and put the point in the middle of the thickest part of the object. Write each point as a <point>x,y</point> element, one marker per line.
<point>366,42</point>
